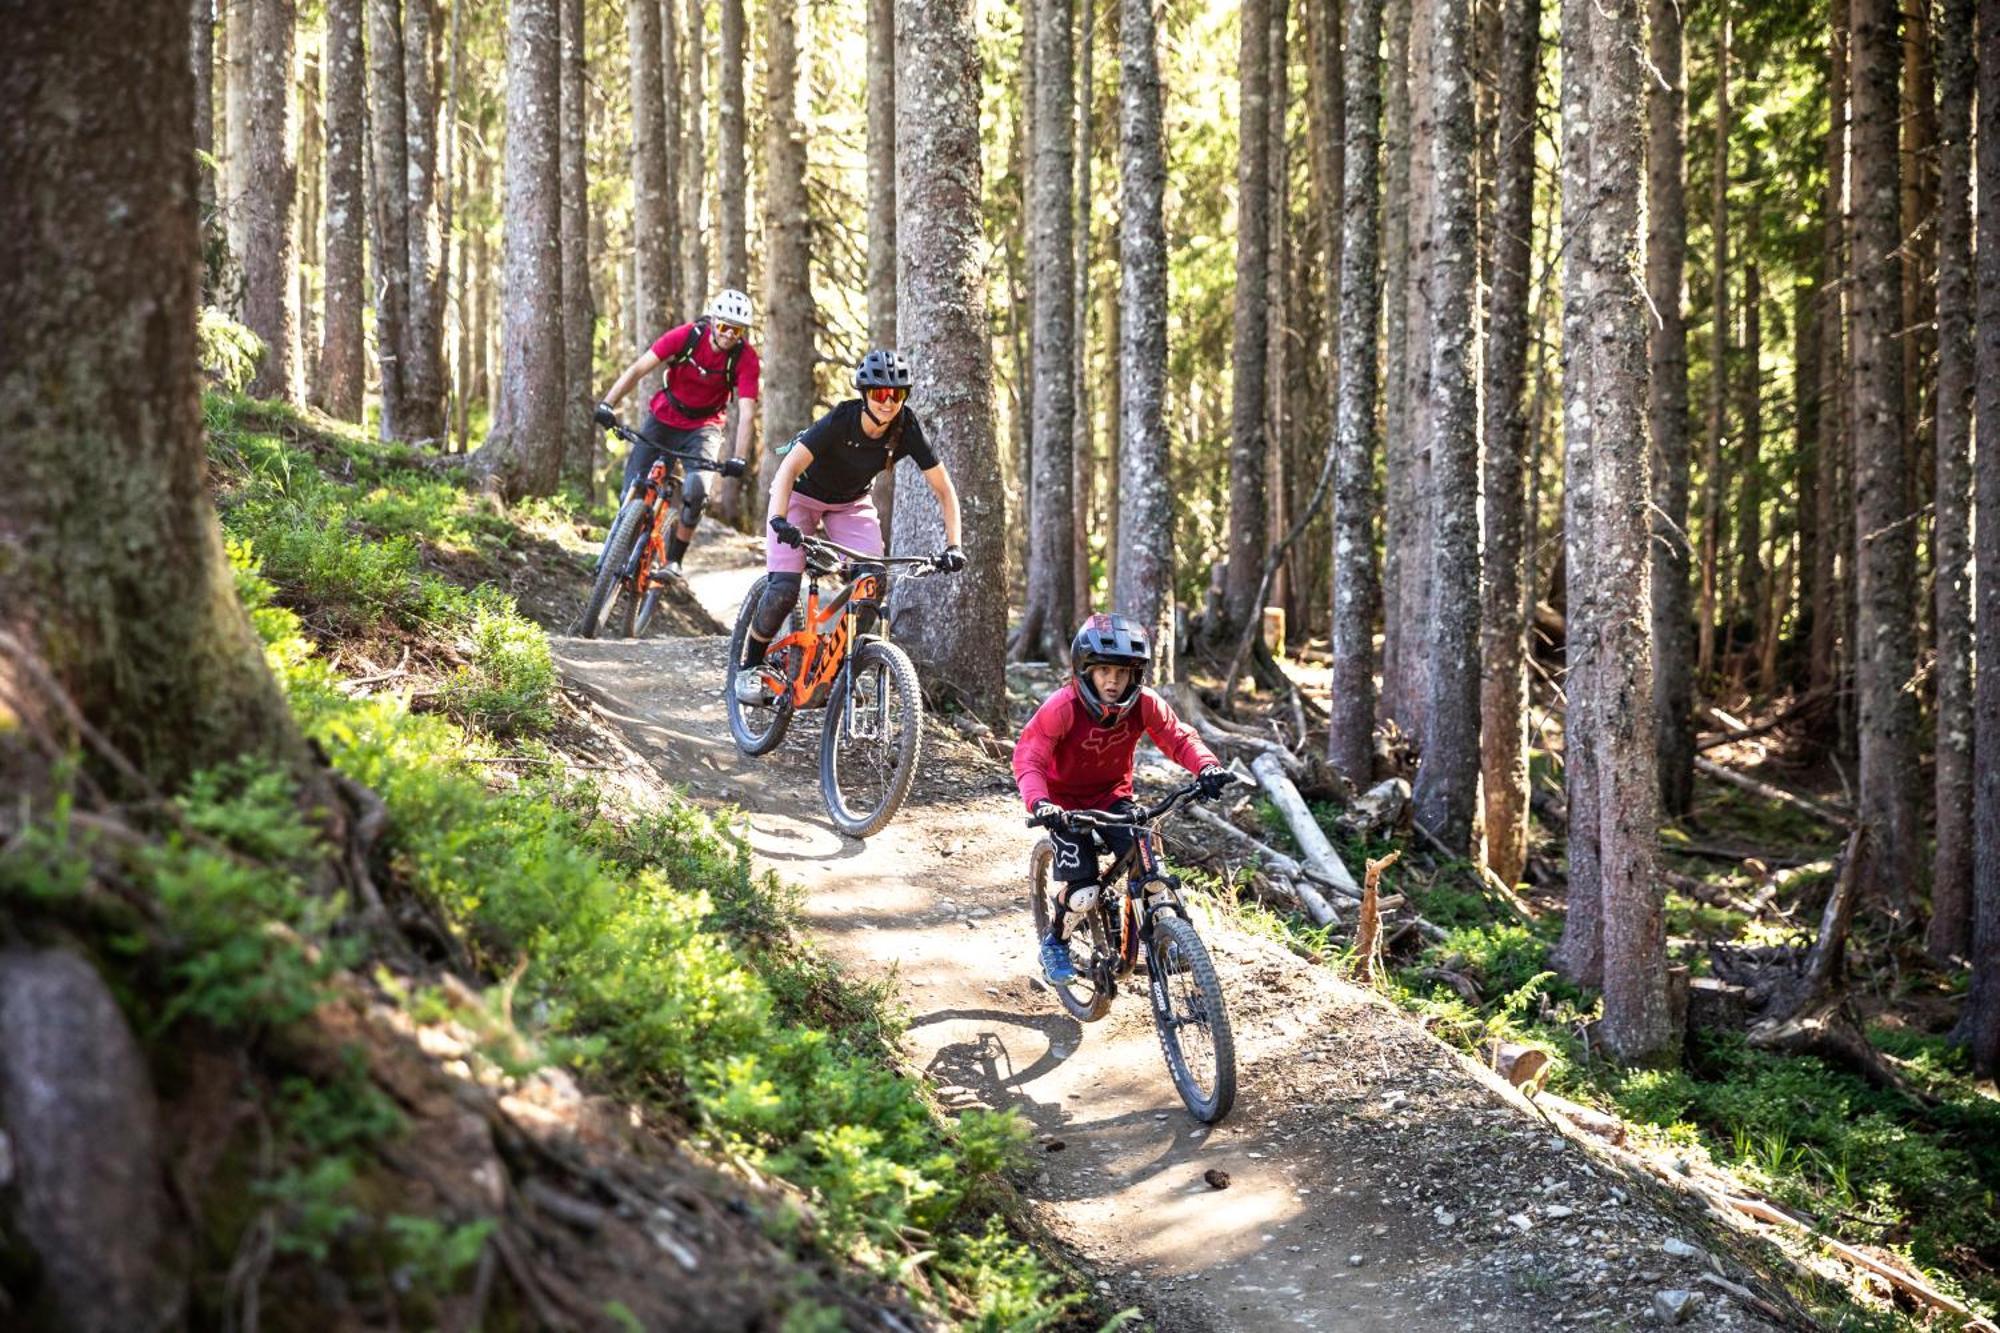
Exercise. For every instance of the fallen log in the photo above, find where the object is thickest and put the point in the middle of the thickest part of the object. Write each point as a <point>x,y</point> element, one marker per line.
<point>1771,793</point>
<point>1381,806</point>
<point>1299,875</point>
<point>1734,730</point>
<point>1586,1118</point>
<point>1523,1066</point>
<point>1897,1277</point>
<point>1318,852</point>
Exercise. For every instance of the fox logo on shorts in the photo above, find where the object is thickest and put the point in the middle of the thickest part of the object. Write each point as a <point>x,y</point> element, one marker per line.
<point>1068,857</point>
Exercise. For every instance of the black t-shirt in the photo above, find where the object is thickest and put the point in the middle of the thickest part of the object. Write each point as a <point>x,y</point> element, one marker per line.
<point>845,461</point>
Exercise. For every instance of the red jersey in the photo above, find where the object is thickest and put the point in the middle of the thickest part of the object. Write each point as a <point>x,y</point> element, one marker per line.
<point>1065,757</point>
<point>700,382</point>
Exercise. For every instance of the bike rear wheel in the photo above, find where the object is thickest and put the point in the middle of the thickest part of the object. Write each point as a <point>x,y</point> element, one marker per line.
<point>868,751</point>
<point>1192,1020</point>
<point>605,592</point>
<point>755,730</point>
<point>1088,998</point>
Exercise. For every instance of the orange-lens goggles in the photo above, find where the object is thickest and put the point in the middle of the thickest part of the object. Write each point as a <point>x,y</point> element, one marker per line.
<point>886,394</point>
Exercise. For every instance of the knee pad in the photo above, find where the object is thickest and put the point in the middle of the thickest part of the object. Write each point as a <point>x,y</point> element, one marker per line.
<point>694,495</point>
<point>781,594</point>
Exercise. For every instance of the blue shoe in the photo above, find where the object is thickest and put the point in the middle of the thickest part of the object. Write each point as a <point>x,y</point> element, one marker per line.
<point>1057,966</point>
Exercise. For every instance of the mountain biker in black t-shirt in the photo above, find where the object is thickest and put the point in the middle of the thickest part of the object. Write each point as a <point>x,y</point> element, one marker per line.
<point>824,480</point>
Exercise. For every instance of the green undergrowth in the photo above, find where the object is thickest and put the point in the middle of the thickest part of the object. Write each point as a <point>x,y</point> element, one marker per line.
<point>1866,1165</point>
<point>639,950</point>
<point>341,527</point>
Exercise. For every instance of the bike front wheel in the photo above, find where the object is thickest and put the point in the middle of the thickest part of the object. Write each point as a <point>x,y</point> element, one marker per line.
<point>1088,998</point>
<point>868,752</point>
<point>1192,1020</point>
<point>756,729</point>
<point>605,594</point>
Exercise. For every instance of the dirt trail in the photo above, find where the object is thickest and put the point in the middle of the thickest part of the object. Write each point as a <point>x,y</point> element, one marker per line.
<point>1376,1180</point>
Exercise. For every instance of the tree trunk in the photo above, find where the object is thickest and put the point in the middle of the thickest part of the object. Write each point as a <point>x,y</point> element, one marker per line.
<point>1637,1027</point>
<point>579,316</point>
<point>1580,955</point>
<point>423,346</point>
<point>270,253</point>
<point>523,454</point>
<point>652,239</point>
<point>482,287</point>
<point>1278,310</point>
<point>310,95</point>
<point>1714,520</point>
<point>1918,201</point>
<point>1885,565</point>
<point>1112,322</point>
<point>1144,588</point>
<point>1250,322</point>
<point>1950,933</point>
<point>674,300</point>
<point>116,579</point>
<point>1979,1028</point>
<point>236,138</point>
<point>788,361</point>
<point>1447,777</point>
<point>1667,405</point>
<point>1747,601</point>
<point>201,55</point>
<point>391,213</point>
<point>733,498</point>
<point>1503,705</point>
<point>1049,611</point>
<point>730,170</point>
<point>1406,615</point>
<point>693,235</point>
<point>1356,593</point>
<point>342,370</point>
<point>951,627</point>
<point>1083,436</point>
<point>1832,560</point>
<point>1395,261</point>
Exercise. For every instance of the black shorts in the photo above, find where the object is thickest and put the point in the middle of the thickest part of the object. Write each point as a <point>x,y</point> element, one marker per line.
<point>1077,854</point>
<point>656,438</point>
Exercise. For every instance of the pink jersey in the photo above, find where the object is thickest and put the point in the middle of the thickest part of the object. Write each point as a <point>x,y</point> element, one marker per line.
<point>1065,757</point>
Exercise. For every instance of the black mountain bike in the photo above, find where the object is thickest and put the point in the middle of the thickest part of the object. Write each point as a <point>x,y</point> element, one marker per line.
<point>868,686</point>
<point>1146,919</point>
<point>629,582</point>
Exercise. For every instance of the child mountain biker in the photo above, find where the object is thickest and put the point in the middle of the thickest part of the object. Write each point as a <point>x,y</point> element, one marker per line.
<point>1076,754</point>
<point>824,479</point>
<point>708,362</point>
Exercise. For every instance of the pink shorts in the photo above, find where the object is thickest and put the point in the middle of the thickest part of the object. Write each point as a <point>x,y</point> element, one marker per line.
<point>854,525</point>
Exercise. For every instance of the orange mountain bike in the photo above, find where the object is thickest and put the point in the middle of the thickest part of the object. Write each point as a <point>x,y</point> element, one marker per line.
<point>628,586</point>
<point>874,711</point>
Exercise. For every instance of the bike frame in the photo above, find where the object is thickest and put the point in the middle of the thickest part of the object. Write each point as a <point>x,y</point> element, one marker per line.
<point>827,640</point>
<point>660,484</point>
<point>1139,868</point>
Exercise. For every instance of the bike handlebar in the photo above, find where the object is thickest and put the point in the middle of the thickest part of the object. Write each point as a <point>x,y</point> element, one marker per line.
<point>699,462</point>
<point>819,545</point>
<point>1179,796</point>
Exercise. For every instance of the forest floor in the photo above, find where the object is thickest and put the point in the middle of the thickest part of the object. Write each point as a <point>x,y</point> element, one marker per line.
<point>1375,1178</point>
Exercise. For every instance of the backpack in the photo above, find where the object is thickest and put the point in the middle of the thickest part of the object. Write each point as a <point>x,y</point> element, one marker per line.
<point>686,357</point>
<point>894,440</point>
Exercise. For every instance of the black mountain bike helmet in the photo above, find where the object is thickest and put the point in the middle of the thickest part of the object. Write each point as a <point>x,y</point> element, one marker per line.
<point>1108,640</point>
<point>884,368</point>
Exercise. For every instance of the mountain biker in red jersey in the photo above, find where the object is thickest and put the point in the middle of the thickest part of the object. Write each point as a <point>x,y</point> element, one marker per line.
<point>708,362</point>
<point>1076,754</point>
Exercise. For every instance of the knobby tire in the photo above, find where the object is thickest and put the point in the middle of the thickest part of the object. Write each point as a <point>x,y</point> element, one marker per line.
<point>1082,997</point>
<point>1182,971</point>
<point>750,738</point>
<point>899,677</point>
<point>610,571</point>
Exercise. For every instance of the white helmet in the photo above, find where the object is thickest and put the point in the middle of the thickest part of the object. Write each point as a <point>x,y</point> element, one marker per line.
<point>729,306</point>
